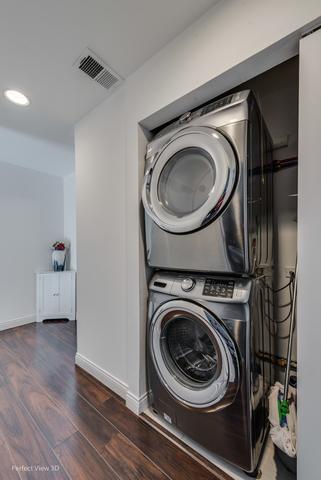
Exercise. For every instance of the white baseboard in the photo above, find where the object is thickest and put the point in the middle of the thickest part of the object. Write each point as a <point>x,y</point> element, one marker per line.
<point>137,404</point>
<point>116,385</point>
<point>16,322</point>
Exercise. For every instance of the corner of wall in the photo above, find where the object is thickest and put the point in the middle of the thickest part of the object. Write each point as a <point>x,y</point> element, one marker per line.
<point>106,378</point>
<point>69,192</point>
<point>137,404</point>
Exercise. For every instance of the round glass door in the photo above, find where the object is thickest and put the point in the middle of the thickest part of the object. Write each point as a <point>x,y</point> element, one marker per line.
<point>186,181</point>
<point>191,180</point>
<point>190,352</point>
<point>194,356</point>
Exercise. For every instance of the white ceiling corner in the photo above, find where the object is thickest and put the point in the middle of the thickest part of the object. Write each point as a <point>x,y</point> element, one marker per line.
<point>39,42</point>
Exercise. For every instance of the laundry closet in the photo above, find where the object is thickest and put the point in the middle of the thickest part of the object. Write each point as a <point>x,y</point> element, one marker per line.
<point>277,92</point>
<point>221,250</point>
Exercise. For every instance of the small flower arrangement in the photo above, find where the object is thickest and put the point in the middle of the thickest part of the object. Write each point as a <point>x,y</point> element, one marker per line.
<point>59,246</point>
<point>59,250</point>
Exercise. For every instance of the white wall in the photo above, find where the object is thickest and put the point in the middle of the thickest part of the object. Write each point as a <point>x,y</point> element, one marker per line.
<point>31,219</point>
<point>309,317</point>
<point>36,153</point>
<point>70,220</point>
<point>224,48</point>
<point>101,285</point>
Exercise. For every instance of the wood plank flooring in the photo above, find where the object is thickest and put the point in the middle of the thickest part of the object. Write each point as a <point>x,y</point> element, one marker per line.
<point>58,422</point>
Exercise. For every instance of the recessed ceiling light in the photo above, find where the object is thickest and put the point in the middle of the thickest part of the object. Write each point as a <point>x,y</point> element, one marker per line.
<point>17,97</point>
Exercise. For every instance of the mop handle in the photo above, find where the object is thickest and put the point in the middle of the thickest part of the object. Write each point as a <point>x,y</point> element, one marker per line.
<point>289,354</point>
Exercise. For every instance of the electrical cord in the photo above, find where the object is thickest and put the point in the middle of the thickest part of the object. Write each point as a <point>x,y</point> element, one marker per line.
<point>274,323</point>
<point>284,337</point>
<point>282,288</point>
<point>284,305</point>
<point>277,290</point>
<point>280,321</point>
<point>289,304</point>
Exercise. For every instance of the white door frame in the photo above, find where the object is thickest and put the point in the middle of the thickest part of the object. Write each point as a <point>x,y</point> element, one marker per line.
<point>309,257</point>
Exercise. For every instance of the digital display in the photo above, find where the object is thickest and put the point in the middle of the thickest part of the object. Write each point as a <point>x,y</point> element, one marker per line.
<point>217,104</point>
<point>219,288</point>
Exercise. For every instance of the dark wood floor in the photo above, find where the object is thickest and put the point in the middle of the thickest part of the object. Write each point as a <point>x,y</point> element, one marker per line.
<point>58,422</point>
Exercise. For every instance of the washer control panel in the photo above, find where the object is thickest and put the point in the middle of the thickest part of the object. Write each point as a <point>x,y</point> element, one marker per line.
<point>218,288</point>
<point>204,287</point>
<point>188,284</point>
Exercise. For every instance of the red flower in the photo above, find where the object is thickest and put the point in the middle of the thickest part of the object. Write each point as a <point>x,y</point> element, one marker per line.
<point>59,246</point>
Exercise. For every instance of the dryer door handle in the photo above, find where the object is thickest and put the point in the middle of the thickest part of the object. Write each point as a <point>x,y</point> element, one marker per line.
<point>145,193</point>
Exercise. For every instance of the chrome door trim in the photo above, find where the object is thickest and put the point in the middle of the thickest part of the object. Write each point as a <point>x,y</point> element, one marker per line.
<point>222,390</point>
<point>224,159</point>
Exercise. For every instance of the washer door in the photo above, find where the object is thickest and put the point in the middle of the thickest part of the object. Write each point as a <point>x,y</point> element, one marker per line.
<point>191,180</point>
<point>194,355</point>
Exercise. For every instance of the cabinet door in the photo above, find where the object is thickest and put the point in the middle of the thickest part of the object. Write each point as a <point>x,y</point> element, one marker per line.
<point>50,297</point>
<point>66,293</point>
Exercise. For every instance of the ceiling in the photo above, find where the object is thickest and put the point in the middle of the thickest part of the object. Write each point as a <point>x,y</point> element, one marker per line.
<point>41,39</point>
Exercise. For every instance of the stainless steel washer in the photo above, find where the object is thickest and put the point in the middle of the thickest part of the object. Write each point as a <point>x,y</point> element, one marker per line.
<point>208,190</point>
<point>207,341</point>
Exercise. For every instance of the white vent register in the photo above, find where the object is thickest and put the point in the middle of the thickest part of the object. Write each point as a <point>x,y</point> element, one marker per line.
<point>95,68</point>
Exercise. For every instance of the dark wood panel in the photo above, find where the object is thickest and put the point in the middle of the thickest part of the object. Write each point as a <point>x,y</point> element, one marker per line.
<point>91,391</point>
<point>14,339</point>
<point>129,462</point>
<point>125,458</point>
<point>100,386</point>
<point>53,362</point>
<point>217,472</point>
<point>7,464</point>
<point>35,337</point>
<point>50,417</point>
<point>173,461</point>
<point>60,387</point>
<point>40,356</point>
<point>82,414</point>
<point>49,358</point>
<point>81,461</point>
<point>89,422</point>
<point>6,357</point>
<point>38,360</point>
<point>57,336</point>
<point>27,445</point>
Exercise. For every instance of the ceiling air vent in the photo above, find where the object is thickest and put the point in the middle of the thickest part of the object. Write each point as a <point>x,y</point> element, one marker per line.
<point>97,69</point>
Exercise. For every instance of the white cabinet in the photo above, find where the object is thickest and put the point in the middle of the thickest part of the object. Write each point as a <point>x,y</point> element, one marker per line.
<point>56,295</point>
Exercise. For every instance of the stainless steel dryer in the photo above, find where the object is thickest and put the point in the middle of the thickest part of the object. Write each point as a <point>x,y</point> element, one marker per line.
<point>205,361</point>
<point>208,190</point>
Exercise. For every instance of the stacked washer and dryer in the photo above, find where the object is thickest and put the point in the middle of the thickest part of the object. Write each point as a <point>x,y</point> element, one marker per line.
<point>207,196</point>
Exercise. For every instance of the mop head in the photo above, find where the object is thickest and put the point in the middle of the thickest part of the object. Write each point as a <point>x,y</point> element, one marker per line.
<point>283,436</point>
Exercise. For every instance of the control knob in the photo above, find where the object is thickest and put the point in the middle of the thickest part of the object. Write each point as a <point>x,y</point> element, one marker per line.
<point>188,284</point>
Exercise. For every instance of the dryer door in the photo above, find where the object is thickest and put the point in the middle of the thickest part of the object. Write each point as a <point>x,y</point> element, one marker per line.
<point>194,355</point>
<point>191,180</point>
